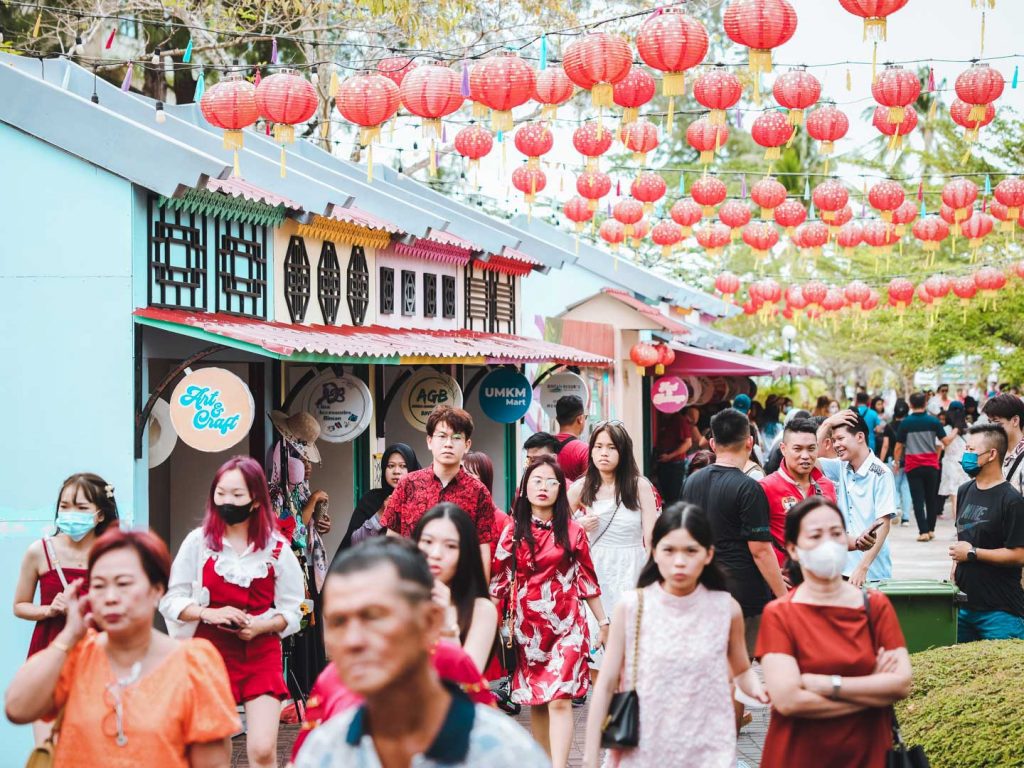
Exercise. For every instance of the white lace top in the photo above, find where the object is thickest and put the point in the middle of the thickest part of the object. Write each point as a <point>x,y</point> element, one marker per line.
<point>240,569</point>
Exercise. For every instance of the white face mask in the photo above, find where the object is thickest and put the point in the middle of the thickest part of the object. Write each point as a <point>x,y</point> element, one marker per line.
<point>825,561</point>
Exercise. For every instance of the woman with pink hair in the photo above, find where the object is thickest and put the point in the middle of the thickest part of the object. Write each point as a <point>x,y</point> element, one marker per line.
<point>236,583</point>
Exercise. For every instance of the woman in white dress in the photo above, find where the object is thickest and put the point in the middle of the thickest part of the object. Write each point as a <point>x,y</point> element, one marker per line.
<point>617,508</point>
<point>953,475</point>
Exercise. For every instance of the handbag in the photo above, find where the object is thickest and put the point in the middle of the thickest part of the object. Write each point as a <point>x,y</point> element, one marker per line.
<point>43,755</point>
<point>507,650</point>
<point>900,755</point>
<point>621,728</point>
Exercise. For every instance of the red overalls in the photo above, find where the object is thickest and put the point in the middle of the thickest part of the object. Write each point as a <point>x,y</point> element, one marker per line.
<point>255,668</point>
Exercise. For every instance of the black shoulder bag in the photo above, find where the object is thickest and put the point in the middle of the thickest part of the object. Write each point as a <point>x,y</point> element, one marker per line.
<point>621,728</point>
<point>899,755</point>
<point>507,630</point>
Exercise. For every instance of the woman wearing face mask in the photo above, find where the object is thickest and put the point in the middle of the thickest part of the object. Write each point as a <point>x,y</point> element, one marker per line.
<point>833,656</point>
<point>85,509</point>
<point>396,462</point>
<point>237,583</point>
<point>953,475</point>
<point>128,694</point>
<point>447,536</point>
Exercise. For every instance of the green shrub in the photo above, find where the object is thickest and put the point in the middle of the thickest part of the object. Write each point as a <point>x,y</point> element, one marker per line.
<point>966,708</point>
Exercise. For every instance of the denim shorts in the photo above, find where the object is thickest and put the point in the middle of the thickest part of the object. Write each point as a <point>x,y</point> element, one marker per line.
<point>988,625</point>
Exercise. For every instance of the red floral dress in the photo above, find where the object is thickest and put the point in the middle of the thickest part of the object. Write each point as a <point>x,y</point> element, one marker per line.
<point>550,618</point>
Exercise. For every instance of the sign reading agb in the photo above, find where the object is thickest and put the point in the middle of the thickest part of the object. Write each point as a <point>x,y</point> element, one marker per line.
<point>427,389</point>
<point>212,409</point>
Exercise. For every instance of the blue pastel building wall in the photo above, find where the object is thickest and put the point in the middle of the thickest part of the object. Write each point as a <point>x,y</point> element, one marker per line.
<point>65,309</point>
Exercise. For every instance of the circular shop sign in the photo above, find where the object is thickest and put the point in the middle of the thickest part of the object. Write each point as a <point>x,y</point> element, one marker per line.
<point>559,384</point>
<point>669,394</point>
<point>212,409</point>
<point>425,390</point>
<point>341,404</point>
<point>505,395</point>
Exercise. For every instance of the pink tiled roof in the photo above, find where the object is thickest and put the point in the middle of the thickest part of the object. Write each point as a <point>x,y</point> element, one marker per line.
<point>236,187</point>
<point>354,215</point>
<point>450,250</point>
<point>647,310</point>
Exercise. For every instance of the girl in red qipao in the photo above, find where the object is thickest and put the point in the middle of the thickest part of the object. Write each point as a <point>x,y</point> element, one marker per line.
<point>237,583</point>
<point>542,565</point>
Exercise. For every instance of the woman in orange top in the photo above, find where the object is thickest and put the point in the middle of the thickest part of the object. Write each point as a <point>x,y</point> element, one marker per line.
<point>129,695</point>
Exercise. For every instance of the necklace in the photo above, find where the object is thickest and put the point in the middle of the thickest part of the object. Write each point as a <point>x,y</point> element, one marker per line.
<point>115,691</point>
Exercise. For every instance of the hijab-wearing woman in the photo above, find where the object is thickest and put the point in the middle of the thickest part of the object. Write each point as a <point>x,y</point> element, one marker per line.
<point>85,509</point>
<point>447,536</point>
<point>237,583</point>
<point>833,656</point>
<point>396,462</point>
<point>127,694</point>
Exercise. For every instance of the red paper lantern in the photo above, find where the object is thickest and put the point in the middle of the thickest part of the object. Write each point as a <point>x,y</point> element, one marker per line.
<point>797,90</point>
<point>534,140</point>
<point>794,296</point>
<point>922,294</point>
<point>501,83</point>
<point>706,138</point>
<point>938,286</point>
<point>1001,214</point>
<point>761,237</point>
<point>529,181</point>
<point>632,92</point>
<point>931,231</point>
<point>709,191</point>
<point>901,292</point>
<point>814,291</point>
<point>1010,192</point>
<point>552,88</point>
<point>749,308</point>
<point>874,13</point>
<point>976,228</point>
<point>965,288</point>
<point>872,301</point>
<point>857,292</point>
<point>735,214</point>
<point>979,86</point>
<point>896,88</point>
<point>760,25</point>
<point>829,197</point>
<point>960,194</point>
<point>596,62</point>
<point>885,197</point>
<point>790,214</point>
<point>843,216</point>
<point>578,211</point>
<point>431,92</point>
<point>833,301</point>
<point>231,106</point>
<point>904,215</point>
<point>613,233</point>
<point>395,68</point>
<point>592,140</point>
<point>827,124</point>
<point>640,230</point>
<point>628,212</point>
<point>990,280</point>
<point>666,234</point>
<point>811,236</point>
<point>643,355</point>
<point>1018,269</point>
<point>727,284</point>
<point>686,213</point>
<point>960,111</point>
<point>368,101</point>
<point>771,130</point>
<point>648,188</point>
<point>593,185</point>
<point>713,237</point>
<point>286,99</point>
<point>640,138</point>
<point>473,142</point>
<point>849,236</point>
<point>718,90</point>
<point>880,236</point>
<point>768,193</point>
<point>672,42</point>
<point>666,356</point>
<point>768,291</point>
<point>895,130</point>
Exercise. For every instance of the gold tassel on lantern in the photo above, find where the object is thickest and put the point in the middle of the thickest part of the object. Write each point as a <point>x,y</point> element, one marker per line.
<point>502,121</point>
<point>332,88</point>
<point>630,115</point>
<point>601,95</point>
<point>772,153</point>
<point>876,29</point>
<point>479,110</point>
<point>671,114</point>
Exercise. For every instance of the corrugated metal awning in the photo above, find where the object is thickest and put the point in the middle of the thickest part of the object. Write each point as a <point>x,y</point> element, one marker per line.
<point>691,361</point>
<point>370,344</point>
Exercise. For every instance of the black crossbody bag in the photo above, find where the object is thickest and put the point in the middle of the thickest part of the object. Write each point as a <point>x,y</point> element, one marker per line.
<point>621,728</point>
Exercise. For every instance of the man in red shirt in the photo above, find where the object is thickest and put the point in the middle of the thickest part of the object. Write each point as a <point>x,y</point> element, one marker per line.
<point>574,455</point>
<point>796,478</point>
<point>448,438</point>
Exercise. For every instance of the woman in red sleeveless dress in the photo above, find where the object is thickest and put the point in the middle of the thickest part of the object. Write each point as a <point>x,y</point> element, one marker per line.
<point>85,509</point>
<point>236,583</point>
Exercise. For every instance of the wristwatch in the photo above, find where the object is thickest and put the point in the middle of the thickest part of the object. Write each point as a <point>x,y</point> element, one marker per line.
<point>837,684</point>
<point>972,555</point>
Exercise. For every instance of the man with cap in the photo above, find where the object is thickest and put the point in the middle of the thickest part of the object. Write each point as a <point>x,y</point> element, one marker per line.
<point>573,453</point>
<point>742,404</point>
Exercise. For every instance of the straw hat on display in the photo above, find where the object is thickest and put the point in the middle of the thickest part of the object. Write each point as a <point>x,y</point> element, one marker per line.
<point>301,430</point>
<point>162,437</point>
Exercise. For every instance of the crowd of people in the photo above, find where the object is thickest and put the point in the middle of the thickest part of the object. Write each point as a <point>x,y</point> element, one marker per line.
<point>754,542</point>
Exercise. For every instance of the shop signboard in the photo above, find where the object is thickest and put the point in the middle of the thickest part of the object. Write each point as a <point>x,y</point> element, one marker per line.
<point>212,409</point>
<point>505,395</point>
<point>669,394</point>
<point>425,390</point>
<point>558,385</point>
<point>341,404</point>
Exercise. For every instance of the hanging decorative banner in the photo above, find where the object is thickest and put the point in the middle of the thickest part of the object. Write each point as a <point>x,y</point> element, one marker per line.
<point>669,394</point>
<point>559,384</point>
<point>505,395</point>
<point>425,390</point>
<point>212,409</point>
<point>341,404</point>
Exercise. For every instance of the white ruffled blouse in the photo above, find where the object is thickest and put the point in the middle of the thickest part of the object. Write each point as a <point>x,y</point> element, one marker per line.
<point>238,569</point>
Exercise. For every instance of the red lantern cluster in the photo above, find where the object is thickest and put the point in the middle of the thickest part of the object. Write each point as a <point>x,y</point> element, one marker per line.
<point>643,355</point>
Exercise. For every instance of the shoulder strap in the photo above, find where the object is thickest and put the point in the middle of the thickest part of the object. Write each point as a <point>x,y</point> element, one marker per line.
<point>563,443</point>
<point>867,613</point>
<point>636,636</point>
<point>51,558</point>
<point>1013,467</point>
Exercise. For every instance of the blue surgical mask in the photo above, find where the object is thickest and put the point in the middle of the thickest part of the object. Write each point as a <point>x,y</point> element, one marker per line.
<point>969,462</point>
<point>77,525</point>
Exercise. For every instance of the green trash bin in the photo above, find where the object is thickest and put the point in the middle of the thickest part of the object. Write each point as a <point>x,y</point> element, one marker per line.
<point>926,608</point>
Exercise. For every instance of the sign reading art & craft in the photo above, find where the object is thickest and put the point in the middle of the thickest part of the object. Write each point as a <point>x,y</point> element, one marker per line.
<point>212,409</point>
<point>425,390</point>
<point>559,384</point>
<point>505,395</point>
<point>669,394</point>
<point>341,404</point>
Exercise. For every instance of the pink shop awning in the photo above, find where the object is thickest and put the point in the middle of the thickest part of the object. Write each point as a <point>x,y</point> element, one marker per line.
<point>691,361</point>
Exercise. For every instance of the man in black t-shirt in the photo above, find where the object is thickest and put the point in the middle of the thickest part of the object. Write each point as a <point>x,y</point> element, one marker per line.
<point>738,511</point>
<point>990,551</point>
